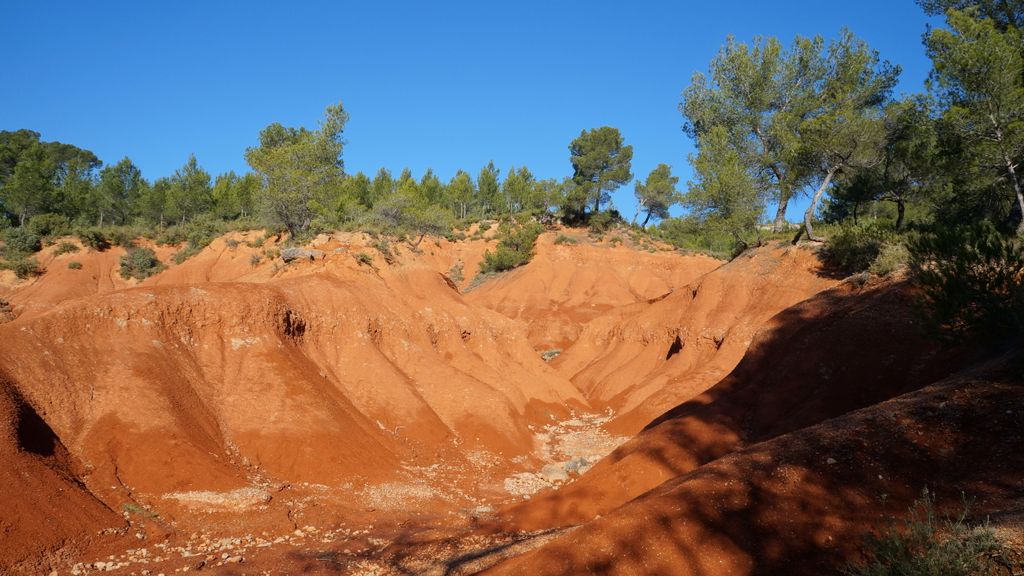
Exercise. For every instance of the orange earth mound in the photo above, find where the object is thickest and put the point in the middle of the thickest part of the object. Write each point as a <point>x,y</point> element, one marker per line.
<point>375,405</point>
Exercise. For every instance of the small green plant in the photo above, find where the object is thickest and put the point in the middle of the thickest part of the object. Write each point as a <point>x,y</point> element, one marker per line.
<point>74,265</point>
<point>65,248</point>
<point>601,222</point>
<point>231,243</point>
<point>615,240</point>
<point>94,238</point>
<point>21,240</point>
<point>49,225</point>
<point>139,263</point>
<point>515,248</point>
<point>455,273</point>
<point>484,227</point>
<point>255,260</point>
<point>892,257</point>
<point>257,242</point>
<point>363,258</point>
<point>971,279</point>
<point>384,247</point>
<point>563,239</point>
<point>926,545</point>
<point>23,266</point>
<point>852,248</point>
<point>123,236</point>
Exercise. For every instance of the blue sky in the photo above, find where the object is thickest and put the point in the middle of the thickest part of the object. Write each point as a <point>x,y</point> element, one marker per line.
<point>446,85</point>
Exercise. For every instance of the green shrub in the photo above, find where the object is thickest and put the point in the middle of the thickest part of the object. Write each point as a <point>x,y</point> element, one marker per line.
<point>692,235</point>
<point>363,259</point>
<point>384,247</point>
<point>972,278</point>
<point>49,225</point>
<point>255,260</point>
<point>74,265</point>
<point>231,243</point>
<point>21,240</point>
<point>601,222</point>
<point>892,257</point>
<point>925,545</point>
<point>139,263</point>
<point>852,248</point>
<point>65,248</point>
<point>122,236</point>
<point>615,240</point>
<point>23,266</point>
<point>484,227</point>
<point>563,239</point>
<point>455,273</point>
<point>94,238</point>
<point>515,248</point>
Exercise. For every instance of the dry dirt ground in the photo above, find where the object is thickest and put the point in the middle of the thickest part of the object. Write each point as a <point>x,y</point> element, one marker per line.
<point>376,408</point>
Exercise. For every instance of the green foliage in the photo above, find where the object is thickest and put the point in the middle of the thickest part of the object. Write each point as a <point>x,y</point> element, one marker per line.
<point>926,545</point>
<point>758,95</point>
<point>979,79</point>
<point>49,225</point>
<point>692,235</point>
<point>893,256</point>
<point>94,238</point>
<point>601,163</point>
<point>656,195</point>
<point>563,239</point>
<point>122,236</point>
<point>515,248</point>
<point>255,260</point>
<point>74,265</point>
<point>298,165</point>
<point>21,240</point>
<point>601,222</point>
<point>456,273</point>
<point>854,247</point>
<point>65,248</point>
<point>114,197</point>
<point>363,258</point>
<point>972,280</point>
<point>139,263</point>
<point>724,196</point>
<point>23,265</point>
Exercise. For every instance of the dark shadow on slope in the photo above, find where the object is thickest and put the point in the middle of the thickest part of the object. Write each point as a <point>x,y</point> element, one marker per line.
<point>842,350</point>
<point>801,503</point>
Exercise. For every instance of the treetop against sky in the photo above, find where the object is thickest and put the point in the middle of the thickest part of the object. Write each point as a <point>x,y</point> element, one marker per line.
<point>441,85</point>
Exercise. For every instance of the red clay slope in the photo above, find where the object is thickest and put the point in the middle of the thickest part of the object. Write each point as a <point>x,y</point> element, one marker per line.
<point>801,503</point>
<point>645,359</point>
<point>46,512</point>
<point>841,350</point>
<point>566,286</point>
<point>333,373</point>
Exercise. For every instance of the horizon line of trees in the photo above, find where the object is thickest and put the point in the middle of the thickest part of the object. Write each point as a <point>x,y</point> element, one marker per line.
<point>298,182</point>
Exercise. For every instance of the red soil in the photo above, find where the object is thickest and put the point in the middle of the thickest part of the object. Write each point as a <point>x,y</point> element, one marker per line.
<point>363,393</point>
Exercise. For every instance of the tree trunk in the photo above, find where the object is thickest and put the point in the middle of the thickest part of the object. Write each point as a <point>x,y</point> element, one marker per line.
<point>644,225</point>
<point>856,205</point>
<point>1020,197</point>
<point>901,210</point>
<point>780,215</point>
<point>809,214</point>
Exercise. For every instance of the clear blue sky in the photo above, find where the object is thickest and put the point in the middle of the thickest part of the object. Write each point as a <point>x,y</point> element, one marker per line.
<point>427,84</point>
